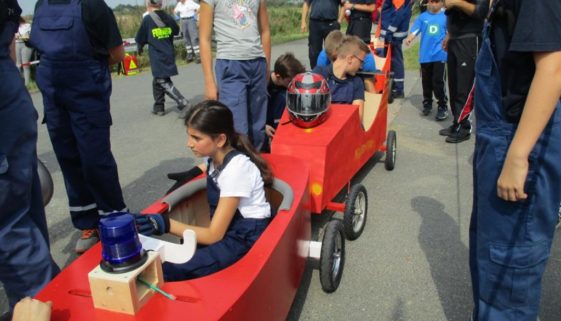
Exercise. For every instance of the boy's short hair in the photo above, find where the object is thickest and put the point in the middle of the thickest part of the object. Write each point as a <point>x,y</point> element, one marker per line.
<point>288,66</point>
<point>351,45</point>
<point>332,42</point>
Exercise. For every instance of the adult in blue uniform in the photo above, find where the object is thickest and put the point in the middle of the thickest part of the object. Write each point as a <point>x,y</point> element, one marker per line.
<point>395,23</point>
<point>77,41</point>
<point>360,19</point>
<point>323,19</point>
<point>516,163</point>
<point>26,264</point>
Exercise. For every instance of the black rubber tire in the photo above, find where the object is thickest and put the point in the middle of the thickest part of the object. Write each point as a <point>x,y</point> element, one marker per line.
<point>47,186</point>
<point>356,210</point>
<point>389,89</point>
<point>391,150</point>
<point>332,259</point>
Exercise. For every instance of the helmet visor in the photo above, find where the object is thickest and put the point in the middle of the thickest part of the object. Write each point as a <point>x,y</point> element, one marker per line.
<point>308,104</point>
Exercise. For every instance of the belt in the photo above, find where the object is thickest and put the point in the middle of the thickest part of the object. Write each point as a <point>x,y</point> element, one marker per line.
<point>323,20</point>
<point>188,18</point>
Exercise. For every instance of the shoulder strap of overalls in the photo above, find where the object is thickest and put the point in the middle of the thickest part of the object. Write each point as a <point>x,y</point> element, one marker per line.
<point>157,20</point>
<point>220,168</point>
<point>499,10</point>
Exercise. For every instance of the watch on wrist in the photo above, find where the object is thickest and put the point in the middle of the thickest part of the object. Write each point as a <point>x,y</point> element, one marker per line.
<point>353,6</point>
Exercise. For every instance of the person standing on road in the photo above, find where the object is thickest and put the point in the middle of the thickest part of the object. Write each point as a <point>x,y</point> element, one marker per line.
<point>516,159</point>
<point>77,41</point>
<point>23,53</point>
<point>187,11</point>
<point>395,24</point>
<point>465,22</point>
<point>157,30</point>
<point>26,264</point>
<point>323,16</point>
<point>360,18</point>
<point>431,25</point>
<point>242,61</point>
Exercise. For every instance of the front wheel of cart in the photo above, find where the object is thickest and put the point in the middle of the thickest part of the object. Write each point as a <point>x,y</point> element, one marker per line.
<point>332,259</point>
<point>391,150</point>
<point>356,209</point>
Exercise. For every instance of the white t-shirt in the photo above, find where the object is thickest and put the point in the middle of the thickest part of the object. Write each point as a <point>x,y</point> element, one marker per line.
<point>241,178</point>
<point>187,9</point>
<point>24,31</point>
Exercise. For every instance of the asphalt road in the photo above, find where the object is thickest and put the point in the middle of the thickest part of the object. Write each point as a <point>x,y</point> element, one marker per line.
<point>411,263</point>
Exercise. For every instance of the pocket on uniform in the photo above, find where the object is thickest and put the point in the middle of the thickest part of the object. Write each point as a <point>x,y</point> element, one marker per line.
<point>99,119</point>
<point>56,23</point>
<point>512,272</point>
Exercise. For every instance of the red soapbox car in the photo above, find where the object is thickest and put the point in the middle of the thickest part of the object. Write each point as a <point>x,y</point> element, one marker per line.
<point>311,166</point>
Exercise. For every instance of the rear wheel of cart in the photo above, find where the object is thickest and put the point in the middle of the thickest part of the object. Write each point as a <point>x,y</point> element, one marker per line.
<point>391,150</point>
<point>332,259</point>
<point>356,209</point>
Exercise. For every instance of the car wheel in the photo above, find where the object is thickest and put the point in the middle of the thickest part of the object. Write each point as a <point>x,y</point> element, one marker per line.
<point>332,259</point>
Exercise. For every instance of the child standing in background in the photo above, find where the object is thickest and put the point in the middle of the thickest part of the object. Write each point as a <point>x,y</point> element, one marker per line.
<point>243,55</point>
<point>431,25</point>
<point>157,30</point>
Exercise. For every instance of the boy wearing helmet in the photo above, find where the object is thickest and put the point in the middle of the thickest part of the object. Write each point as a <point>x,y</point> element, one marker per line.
<point>345,86</point>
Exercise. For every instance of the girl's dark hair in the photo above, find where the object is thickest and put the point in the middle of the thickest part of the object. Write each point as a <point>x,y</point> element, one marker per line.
<point>213,118</point>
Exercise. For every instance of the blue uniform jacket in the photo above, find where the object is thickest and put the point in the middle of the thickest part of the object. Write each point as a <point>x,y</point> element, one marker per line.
<point>395,21</point>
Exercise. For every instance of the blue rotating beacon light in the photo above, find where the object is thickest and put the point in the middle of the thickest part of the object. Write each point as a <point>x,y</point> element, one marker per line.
<point>121,249</point>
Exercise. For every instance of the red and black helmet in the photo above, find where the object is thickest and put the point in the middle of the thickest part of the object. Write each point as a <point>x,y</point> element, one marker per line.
<point>308,99</point>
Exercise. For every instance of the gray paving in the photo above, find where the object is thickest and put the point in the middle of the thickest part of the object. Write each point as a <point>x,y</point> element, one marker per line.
<point>409,264</point>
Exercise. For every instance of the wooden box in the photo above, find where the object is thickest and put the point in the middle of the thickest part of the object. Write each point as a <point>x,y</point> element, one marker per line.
<point>122,292</point>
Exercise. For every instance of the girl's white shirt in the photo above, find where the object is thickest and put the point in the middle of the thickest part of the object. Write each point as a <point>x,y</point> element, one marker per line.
<point>241,178</point>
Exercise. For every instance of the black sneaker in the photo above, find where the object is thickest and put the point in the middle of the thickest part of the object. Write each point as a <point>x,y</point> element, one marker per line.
<point>448,131</point>
<point>441,114</point>
<point>158,111</point>
<point>426,109</point>
<point>197,60</point>
<point>397,94</point>
<point>185,104</point>
<point>459,136</point>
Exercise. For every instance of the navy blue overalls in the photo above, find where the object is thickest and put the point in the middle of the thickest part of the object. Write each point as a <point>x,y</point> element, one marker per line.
<point>509,241</point>
<point>26,264</point>
<point>239,238</point>
<point>76,88</point>
<point>395,21</point>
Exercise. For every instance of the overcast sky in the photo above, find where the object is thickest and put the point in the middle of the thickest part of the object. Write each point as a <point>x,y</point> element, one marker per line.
<point>28,5</point>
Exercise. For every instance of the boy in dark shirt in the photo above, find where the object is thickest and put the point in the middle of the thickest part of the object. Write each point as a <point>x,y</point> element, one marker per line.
<point>345,86</point>
<point>157,30</point>
<point>286,67</point>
